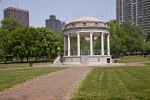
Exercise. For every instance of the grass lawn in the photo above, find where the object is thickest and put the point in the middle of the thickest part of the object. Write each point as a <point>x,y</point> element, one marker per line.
<point>11,78</point>
<point>130,59</point>
<point>20,65</point>
<point>25,61</point>
<point>123,83</point>
<point>147,64</point>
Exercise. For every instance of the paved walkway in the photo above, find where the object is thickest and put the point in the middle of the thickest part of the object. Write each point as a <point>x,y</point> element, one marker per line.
<point>55,86</point>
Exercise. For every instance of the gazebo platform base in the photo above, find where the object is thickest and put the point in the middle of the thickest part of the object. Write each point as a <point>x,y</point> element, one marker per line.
<point>87,60</point>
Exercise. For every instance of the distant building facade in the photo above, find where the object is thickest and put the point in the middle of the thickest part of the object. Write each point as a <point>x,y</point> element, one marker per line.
<point>135,11</point>
<point>55,24</point>
<point>21,15</point>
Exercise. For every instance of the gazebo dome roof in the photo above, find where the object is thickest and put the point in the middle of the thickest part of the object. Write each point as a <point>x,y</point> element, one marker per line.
<point>86,19</point>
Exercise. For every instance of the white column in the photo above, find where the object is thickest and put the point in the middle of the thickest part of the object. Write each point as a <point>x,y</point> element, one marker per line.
<point>91,43</point>
<point>78,40</point>
<point>64,45</point>
<point>68,44</point>
<point>108,45</point>
<point>102,43</point>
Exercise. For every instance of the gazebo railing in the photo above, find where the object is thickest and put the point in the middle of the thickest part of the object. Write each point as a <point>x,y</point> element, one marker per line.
<point>73,52</point>
<point>97,52</point>
<point>85,52</point>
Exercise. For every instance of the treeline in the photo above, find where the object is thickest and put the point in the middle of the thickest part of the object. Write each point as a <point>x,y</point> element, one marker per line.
<point>18,41</point>
<point>22,42</point>
<point>127,38</point>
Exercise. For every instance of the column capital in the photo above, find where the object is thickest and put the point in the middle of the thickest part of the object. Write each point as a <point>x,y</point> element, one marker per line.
<point>91,32</point>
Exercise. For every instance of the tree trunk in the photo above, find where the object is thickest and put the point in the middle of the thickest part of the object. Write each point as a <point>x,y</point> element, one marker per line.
<point>36,58</point>
<point>27,58</point>
<point>122,56</point>
<point>21,59</point>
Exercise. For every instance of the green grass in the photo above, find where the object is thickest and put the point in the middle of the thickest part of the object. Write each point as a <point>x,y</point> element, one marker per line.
<point>25,61</point>
<point>20,65</point>
<point>147,64</point>
<point>123,83</point>
<point>130,59</point>
<point>11,78</point>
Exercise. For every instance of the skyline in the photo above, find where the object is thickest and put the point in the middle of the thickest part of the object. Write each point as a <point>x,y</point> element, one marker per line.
<point>64,10</point>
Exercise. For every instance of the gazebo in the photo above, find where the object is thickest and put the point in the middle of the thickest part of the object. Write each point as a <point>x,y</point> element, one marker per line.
<point>90,29</point>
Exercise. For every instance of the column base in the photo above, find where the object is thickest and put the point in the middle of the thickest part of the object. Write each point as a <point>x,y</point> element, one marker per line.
<point>87,60</point>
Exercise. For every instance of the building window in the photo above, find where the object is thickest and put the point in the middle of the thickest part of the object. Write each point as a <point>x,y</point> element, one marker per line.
<point>84,24</point>
<point>73,25</point>
<point>96,24</point>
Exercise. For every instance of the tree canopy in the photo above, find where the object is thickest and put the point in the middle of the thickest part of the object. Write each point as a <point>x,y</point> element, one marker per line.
<point>127,38</point>
<point>22,41</point>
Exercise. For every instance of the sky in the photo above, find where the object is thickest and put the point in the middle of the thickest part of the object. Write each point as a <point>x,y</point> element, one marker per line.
<point>65,10</point>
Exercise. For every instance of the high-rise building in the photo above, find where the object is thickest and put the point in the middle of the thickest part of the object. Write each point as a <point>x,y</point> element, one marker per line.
<point>135,11</point>
<point>55,24</point>
<point>146,15</point>
<point>21,15</point>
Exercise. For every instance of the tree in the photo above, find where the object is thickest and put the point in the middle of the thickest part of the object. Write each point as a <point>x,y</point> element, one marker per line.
<point>4,37</point>
<point>7,26</point>
<point>21,42</point>
<point>148,37</point>
<point>10,24</point>
<point>61,43</point>
<point>136,33</point>
<point>129,37</point>
<point>146,47</point>
<point>48,42</point>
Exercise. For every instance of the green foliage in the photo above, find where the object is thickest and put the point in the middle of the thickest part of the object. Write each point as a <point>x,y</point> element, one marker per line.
<point>86,44</point>
<point>48,42</point>
<point>5,42</point>
<point>61,43</point>
<point>31,42</point>
<point>10,24</point>
<point>115,84</point>
<point>7,26</point>
<point>146,47</point>
<point>127,38</point>
<point>97,45</point>
<point>24,42</point>
<point>148,37</point>
<point>115,44</point>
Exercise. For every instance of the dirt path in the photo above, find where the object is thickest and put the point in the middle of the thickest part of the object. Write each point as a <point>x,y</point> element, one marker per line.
<point>55,86</point>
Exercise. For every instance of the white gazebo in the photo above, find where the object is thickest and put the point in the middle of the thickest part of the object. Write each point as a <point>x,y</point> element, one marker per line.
<point>86,28</point>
